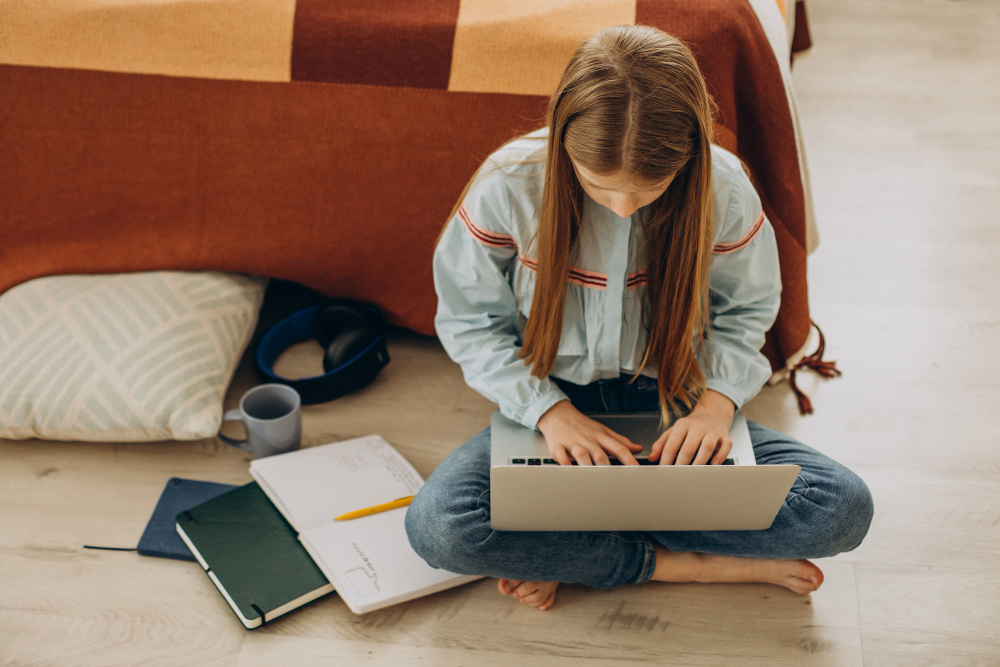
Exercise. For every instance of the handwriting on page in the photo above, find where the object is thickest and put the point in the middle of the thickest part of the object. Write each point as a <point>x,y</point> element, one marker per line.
<point>358,459</point>
<point>400,470</point>
<point>363,582</point>
<point>383,459</point>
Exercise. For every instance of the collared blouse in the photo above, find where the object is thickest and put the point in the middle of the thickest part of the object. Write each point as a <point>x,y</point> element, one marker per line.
<point>484,274</point>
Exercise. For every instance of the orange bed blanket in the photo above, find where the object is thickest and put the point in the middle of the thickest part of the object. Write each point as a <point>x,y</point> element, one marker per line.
<point>324,141</point>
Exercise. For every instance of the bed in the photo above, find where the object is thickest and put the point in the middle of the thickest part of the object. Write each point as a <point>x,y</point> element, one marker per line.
<point>325,142</point>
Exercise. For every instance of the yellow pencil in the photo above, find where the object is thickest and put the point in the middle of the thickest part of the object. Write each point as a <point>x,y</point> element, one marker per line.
<point>401,502</point>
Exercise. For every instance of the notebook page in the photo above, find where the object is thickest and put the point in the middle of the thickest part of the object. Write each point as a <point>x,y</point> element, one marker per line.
<point>312,486</point>
<point>742,449</point>
<point>371,564</point>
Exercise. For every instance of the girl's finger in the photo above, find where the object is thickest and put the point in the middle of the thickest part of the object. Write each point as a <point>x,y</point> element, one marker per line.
<point>622,439</point>
<point>690,447</point>
<point>581,455</point>
<point>561,456</point>
<point>674,442</point>
<point>708,445</point>
<point>597,454</point>
<point>658,445</point>
<point>725,446</point>
<point>548,601</point>
<point>620,451</point>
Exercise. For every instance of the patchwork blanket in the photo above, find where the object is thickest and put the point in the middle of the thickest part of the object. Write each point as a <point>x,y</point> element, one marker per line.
<point>325,141</point>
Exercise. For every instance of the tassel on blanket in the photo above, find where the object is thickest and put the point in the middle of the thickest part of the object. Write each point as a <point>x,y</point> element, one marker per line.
<point>827,369</point>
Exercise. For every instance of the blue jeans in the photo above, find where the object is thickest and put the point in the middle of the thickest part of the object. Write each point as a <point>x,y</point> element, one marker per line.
<point>827,511</point>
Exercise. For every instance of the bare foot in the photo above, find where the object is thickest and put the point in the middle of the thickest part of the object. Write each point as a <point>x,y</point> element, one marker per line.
<point>798,575</point>
<point>541,594</point>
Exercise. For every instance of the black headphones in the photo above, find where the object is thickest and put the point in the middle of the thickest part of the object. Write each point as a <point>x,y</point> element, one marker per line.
<point>352,334</point>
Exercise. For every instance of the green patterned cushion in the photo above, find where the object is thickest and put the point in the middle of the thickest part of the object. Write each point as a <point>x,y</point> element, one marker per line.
<point>122,357</point>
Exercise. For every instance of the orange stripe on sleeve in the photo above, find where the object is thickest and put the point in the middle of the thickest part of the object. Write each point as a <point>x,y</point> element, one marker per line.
<point>726,248</point>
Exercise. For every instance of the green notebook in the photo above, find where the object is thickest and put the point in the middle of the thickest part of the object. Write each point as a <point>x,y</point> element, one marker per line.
<point>252,554</point>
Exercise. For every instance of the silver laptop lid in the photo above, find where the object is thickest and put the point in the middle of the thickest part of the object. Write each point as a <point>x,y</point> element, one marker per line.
<point>646,497</point>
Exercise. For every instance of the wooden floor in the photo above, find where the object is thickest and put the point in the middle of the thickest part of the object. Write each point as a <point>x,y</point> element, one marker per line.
<point>900,105</point>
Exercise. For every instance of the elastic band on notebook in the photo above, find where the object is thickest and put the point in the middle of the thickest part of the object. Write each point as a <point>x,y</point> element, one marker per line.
<point>87,546</point>
<point>263,618</point>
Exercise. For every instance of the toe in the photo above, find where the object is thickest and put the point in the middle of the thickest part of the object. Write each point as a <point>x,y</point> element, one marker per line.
<point>810,572</point>
<point>536,598</point>
<point>525,588</point>
<point>800,586</point>
<point>506,586</point>
<point>549,601</point>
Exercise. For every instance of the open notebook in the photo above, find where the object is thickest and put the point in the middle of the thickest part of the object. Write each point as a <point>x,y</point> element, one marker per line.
<point>368,560</point>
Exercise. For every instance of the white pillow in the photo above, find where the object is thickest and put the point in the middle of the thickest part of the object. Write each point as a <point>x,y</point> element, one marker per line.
<point>123,357</point>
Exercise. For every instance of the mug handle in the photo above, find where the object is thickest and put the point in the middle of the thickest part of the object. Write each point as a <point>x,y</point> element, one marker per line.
<point>234,416</point>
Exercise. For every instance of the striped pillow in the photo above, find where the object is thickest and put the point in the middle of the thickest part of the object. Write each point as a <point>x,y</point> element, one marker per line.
<point>123,357</point>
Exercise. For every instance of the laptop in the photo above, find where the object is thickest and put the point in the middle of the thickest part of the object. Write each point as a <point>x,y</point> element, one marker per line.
<point>529,490</point>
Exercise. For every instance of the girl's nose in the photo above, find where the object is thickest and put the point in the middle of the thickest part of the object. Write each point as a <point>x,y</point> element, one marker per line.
<point>624,208</point>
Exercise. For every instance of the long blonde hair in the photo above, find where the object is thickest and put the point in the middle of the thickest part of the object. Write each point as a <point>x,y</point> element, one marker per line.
<point>632,101</point>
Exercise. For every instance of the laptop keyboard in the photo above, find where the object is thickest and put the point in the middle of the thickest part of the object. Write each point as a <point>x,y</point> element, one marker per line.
<point>614,462</point>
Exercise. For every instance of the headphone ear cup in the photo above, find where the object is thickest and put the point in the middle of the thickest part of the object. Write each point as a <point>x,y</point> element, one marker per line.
<point>332,319</point>
<point>337,315</point>
<point>347,345</point>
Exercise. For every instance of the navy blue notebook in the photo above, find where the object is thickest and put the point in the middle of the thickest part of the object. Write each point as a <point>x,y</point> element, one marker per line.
<point>160,537</point>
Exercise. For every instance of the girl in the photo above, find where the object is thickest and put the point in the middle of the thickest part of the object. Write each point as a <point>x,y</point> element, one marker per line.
<point>616,260</point>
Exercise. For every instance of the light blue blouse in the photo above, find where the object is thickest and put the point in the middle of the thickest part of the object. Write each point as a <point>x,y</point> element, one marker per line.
<point>484,273</point>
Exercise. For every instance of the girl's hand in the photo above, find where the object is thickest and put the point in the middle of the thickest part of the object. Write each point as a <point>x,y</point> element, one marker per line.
<point>569,431</point>
<point>693,439</point>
